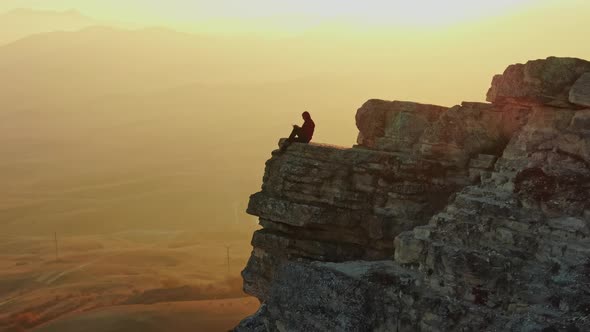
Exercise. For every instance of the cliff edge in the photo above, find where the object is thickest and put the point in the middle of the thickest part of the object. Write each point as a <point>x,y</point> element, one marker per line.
<point>470,218</point>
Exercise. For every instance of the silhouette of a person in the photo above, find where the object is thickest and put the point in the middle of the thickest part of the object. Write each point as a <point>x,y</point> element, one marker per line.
<point>302,134</point>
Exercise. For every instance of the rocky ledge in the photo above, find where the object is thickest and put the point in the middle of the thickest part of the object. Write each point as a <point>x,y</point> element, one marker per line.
<point>470,218</point>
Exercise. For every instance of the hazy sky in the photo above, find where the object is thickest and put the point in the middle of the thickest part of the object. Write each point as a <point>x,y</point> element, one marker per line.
<point>76,86</point>
<point>436,38</point>
<point>292,14</point>
<point>187,9</point>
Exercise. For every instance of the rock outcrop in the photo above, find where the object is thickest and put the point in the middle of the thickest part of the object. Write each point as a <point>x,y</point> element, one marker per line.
<point>470,218</point>
<point>539,82</point>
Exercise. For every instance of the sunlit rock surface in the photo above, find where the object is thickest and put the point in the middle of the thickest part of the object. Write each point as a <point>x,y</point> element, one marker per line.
<point>394,125</point>
<point>473,218</point>
<point>538,82</point>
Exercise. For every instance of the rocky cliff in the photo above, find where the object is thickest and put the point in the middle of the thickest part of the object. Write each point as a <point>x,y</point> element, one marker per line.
<point>470,218</point>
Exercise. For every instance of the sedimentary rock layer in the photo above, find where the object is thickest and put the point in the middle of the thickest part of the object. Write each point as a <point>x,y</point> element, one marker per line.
<point>330,204</point>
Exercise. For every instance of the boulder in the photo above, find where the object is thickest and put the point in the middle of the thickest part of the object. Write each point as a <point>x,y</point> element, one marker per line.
<point>465,131</point>
<point>394,125</point>
<point>538,82</point>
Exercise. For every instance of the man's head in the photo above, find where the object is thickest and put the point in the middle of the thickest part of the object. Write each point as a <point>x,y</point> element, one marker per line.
<point>306,116</point>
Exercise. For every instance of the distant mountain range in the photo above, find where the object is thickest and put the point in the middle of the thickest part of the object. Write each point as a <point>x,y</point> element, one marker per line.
<point>65,67</point>
<point>20,23</point>
<point>105,129</point>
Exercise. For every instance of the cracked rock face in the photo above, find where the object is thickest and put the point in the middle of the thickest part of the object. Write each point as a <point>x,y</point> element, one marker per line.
<point>473,218</point>
<point>327,204</point>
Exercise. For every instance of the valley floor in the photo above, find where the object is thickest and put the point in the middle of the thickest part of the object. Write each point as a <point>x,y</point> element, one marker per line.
<point>152,278</point>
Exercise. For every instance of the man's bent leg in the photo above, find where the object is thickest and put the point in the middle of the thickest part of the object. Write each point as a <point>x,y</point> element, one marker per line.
<point>292,138</point>
<point>294,133</point>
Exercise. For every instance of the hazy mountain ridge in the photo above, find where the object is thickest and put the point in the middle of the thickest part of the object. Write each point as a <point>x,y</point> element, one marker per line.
<point>19,23</point>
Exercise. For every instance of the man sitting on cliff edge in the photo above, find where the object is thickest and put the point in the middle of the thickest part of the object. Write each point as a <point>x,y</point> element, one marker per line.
<point>301,134</point>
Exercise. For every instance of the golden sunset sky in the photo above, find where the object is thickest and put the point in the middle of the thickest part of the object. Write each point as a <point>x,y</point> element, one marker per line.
<point>386,11</point>
<point>288,16</point>
<point>430,51</point>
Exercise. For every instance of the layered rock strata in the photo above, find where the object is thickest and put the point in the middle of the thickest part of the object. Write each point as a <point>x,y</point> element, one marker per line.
<point>473,218</point>
<point>330,204</point>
